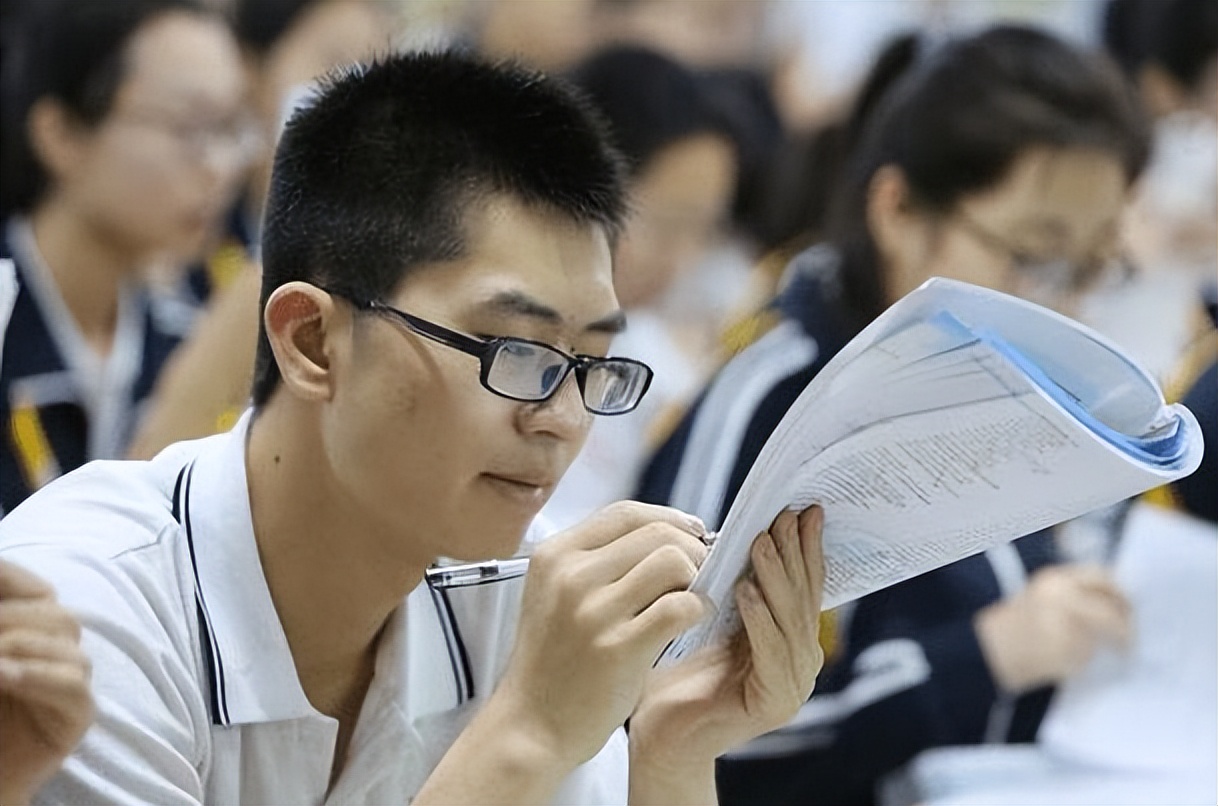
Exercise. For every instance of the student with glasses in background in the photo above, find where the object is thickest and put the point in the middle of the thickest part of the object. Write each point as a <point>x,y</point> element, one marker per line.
<point>1002,159</point>
<point>438,306</point>
<point>124,133</point>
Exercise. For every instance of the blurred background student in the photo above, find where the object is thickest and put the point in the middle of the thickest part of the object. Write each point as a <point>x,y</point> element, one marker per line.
<point>286,46</point>
<point>682,164</point>
<point>124,133</point>
<point>1168,50</point>
<point>1003,159</point>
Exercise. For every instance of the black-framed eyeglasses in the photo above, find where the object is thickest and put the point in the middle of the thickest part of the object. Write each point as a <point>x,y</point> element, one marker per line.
<point>532,371</point>
<point>1055,275</point>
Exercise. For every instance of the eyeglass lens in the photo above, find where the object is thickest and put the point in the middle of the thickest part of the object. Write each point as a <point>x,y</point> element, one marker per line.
<point>533,372</point>
<point>614,386</point>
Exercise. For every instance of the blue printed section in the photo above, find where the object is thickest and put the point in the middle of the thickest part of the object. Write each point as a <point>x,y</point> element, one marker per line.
<point>1166,448</point>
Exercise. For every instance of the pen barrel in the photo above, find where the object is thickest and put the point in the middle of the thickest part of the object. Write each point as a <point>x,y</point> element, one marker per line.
<point>464,576</point>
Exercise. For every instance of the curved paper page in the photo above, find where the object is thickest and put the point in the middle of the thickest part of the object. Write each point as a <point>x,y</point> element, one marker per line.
<point>926,441</point>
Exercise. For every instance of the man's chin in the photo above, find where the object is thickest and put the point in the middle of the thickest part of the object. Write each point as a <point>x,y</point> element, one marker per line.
<point>490,542</point>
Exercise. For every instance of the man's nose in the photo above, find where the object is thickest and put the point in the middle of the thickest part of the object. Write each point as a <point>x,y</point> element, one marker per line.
<point>563,415</point>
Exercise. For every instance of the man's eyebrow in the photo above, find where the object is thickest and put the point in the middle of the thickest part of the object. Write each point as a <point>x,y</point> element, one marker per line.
<point>515,303</point>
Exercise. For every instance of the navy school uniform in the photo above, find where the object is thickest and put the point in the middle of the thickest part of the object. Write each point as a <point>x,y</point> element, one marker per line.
<point>905,671</point>
<point>236,247</point>
<point>60,404</point>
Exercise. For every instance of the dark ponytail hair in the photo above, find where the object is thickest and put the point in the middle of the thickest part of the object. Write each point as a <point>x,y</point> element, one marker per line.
<point>804,175</point>
<point>961,116</point>
<point>1179,36</point>
<point>73,51</point>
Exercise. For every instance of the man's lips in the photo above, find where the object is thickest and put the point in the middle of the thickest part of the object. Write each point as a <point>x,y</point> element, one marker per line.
<point>524,479</point>
<point>521,491</point>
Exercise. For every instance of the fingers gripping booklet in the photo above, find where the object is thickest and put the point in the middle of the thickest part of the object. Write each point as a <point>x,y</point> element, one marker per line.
<point>960,418</point>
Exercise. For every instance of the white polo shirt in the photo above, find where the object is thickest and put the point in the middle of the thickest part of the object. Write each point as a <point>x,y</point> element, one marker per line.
<point>198,698</point>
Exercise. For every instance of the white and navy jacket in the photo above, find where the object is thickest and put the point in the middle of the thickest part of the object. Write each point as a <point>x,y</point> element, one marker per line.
<point>907,673</point>
<point>61,405</point>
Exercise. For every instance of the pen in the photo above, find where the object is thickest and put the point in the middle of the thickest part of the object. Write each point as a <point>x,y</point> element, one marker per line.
<point>462,576</point>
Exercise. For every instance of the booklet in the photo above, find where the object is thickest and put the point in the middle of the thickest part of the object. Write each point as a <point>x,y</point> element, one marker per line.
<point>960,418</point>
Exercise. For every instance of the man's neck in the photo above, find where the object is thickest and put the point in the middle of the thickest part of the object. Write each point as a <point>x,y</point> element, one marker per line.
<point>335,574</point>
<point>87,268</point>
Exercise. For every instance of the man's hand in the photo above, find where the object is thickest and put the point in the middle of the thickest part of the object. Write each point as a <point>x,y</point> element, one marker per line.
<point>45,705</point>
<point>1049,630</point>
<point>723,696</point>
<point>601,600</point>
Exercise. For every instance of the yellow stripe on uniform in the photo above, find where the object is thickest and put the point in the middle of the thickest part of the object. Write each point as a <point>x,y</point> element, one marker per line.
<point>225,263</point>
<point>34,455</point>
<point>830,641</point>
<point>1198,356</point>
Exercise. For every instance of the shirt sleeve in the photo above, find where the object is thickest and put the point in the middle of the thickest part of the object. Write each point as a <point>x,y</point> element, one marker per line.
<point>149,736</point>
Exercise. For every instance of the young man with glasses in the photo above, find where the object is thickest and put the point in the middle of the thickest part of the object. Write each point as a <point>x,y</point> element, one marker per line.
<point>437,304</point>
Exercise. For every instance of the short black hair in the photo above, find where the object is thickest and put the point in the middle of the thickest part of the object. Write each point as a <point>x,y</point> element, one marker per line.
<point>650,100</point>
<point>73,51</point>
<point>376,174</point>
<point>1180,36</point>
<point>958,119</point>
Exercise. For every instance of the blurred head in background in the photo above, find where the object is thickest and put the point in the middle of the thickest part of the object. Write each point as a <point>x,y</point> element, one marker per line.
<point>288,44</point>
<point>553,35</point>
<point>699,33</point>
<point>681,158</point>
<point>1003,159</point>
<point>1169,49</point>
<point>126,118</point>
<point>546,35</point>
<point>803,174</point>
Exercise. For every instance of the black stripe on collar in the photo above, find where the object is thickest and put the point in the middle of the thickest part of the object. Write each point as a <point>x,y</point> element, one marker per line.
<point>213,663</point>
<point>457,655</point>
<point>460,646</point>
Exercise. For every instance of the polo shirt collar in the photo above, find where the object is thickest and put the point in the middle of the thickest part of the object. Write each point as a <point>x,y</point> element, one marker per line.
<point>421,664</point>
<point>252,673</point>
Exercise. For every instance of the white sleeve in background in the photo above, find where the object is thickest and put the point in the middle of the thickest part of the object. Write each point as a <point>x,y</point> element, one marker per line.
<point>150,735</point>
<point>8,297</point>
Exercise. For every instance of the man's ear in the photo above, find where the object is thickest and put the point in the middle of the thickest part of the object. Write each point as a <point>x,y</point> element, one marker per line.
<point>300,321</point>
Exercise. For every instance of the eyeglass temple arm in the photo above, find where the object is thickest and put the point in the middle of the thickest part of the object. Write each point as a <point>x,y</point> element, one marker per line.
<point>452,338</point>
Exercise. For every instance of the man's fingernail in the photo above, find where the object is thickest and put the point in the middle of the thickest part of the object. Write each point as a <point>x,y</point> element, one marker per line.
<point>695,526</point>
